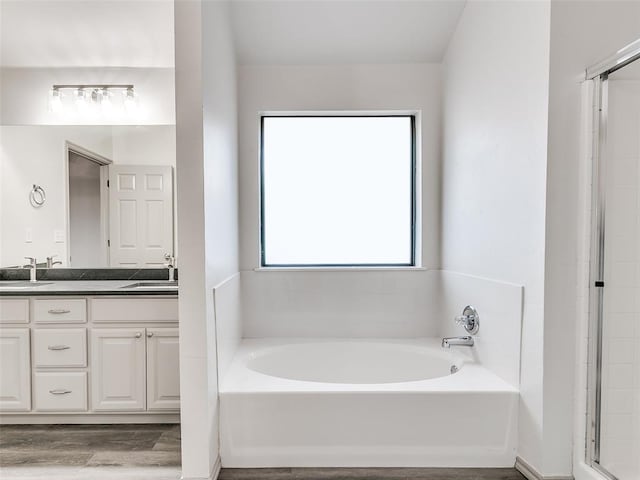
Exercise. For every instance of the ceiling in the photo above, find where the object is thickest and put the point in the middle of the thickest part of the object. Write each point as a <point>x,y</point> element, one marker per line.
<point>294,32</point>
<point>139,33</point>
<point>87,33</point>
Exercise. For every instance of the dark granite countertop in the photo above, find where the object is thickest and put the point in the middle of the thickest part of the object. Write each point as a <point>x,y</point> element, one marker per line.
<point>90,281</point>
<point>80,287</point>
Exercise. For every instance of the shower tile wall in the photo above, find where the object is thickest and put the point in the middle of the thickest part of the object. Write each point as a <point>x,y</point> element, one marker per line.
<point>620,434</point>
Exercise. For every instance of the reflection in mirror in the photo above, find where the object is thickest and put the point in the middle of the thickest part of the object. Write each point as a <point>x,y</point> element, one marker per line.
<point>109,195</point>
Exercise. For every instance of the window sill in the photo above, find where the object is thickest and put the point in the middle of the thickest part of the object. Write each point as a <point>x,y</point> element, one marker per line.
<point>339,269</point>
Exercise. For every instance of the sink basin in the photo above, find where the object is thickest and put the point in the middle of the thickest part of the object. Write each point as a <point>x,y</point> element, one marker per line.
<point>21,285</point>
<point>152,285</point>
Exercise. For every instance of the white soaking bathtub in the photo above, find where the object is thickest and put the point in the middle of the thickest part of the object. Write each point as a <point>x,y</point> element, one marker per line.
<point>363,403</point>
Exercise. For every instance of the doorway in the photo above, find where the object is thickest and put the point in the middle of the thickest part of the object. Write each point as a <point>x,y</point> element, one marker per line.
<point>88,208</point>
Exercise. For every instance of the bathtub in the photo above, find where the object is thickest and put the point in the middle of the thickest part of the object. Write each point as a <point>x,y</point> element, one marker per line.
<point>363,403</point>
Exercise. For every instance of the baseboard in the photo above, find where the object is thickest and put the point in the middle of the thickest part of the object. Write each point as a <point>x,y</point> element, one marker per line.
<point>215,471</point>
<point>532,474</point>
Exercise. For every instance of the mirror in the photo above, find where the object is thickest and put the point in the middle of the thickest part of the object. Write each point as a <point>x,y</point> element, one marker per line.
<point>87,196</point>
<point>87,133</point>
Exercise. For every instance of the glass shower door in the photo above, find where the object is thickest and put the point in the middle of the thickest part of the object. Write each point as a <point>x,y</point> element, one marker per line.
<point>618,401</point>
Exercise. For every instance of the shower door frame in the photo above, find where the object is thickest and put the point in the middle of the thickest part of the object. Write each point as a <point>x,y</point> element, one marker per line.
<point>599,75</point>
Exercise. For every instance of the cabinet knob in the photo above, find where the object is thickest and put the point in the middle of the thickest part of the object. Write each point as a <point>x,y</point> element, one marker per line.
<point>149,334</point>
<point>138,335</point>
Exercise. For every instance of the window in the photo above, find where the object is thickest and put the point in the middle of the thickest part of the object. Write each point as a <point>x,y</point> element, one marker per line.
<point>338,191</point>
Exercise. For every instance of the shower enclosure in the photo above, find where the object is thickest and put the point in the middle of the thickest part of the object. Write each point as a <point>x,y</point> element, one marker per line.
<point>614,366</point>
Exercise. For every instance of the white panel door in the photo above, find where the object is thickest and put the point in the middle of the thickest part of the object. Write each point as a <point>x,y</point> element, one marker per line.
<point>15,370</point>
<point>118,369</point>
<point>140,215</point>
<point>163,369</point>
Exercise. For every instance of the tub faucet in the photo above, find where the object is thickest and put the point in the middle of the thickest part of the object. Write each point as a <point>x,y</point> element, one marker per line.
<point>32,265</point>
<point>466,341</point>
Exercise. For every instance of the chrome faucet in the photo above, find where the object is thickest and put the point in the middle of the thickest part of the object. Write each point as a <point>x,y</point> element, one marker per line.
<point>171,265</point>
<point>470,320</point>
<point>51,263</point>
<point>32,265</point>
<point>466,341</point>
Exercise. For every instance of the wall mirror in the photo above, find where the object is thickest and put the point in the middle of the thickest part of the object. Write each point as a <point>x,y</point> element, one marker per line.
<point>87,135</point>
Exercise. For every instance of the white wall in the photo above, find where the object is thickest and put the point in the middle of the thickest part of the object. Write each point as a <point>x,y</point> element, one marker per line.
<point>494,171</point>
<point>36,154</point>
<point>24,96</point>
<point>207,213</point>
<point>354,303</point>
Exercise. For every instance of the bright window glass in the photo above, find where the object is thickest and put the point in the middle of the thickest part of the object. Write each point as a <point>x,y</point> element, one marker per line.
<point>337,191</point>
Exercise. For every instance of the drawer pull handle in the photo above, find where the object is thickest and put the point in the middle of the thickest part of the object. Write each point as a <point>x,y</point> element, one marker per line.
<point>58,347</point>
<point>59,391</point>
<point>150,334</point>
<point>138,335</point>
<point>58,311</point>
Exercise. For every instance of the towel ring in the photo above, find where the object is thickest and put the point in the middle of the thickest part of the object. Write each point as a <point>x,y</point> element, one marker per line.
<point>37,197</point>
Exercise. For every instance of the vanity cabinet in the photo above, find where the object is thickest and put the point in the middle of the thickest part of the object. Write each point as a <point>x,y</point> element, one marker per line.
<point>135,369</point>
<point>106,359</point>
<point>163,369</point>
<point>118,364</point>
<point>15,370</point>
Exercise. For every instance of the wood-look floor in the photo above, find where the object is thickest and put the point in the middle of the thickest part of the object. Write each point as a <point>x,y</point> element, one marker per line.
<point>90,452</point>
<point>370,474</point>
<point>152,452</point>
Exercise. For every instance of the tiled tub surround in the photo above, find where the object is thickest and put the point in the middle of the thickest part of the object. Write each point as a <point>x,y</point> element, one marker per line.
<point>88,352</point>
<point>376,403</point>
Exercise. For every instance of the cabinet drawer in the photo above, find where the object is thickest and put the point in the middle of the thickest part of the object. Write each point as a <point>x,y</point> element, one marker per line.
<point>14,310</point>
<point>63,347</point>
<point>60,391</point>
<point>114,310</point>
<point>67,310</point>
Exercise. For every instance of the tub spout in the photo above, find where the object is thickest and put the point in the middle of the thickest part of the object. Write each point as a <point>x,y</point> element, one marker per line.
<point>466,341</point>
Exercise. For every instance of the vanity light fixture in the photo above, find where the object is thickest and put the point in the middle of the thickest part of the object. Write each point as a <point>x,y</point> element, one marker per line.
<point>87,95</point>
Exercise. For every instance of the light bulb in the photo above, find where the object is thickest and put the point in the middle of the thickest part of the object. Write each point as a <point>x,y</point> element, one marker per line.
<point>81,100</point>
<point>55,100</point>
<point>105,101</point>
<point>130,100</point>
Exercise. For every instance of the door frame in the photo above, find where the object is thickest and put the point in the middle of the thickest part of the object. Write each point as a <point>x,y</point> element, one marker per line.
<point>104,162</point>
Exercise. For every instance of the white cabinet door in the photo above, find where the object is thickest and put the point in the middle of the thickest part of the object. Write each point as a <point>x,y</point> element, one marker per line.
<point>140,215</point>
<point>15,370</point>
<point>118,369</point>
<point>163,370</point>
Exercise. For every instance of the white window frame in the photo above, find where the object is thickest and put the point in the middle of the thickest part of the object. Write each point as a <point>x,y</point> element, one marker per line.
<point>416,246</point>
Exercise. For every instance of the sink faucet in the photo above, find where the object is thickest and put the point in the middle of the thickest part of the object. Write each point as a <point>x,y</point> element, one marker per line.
<point>171,264</point>
<point>51,263</point>
<point>32,266</point>
<point>466,341</point>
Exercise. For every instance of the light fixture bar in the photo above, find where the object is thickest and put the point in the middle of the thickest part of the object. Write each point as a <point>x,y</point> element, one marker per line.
<point>91,86</point>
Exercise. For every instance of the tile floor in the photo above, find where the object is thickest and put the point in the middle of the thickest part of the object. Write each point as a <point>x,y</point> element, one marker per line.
<point>152,452</point>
